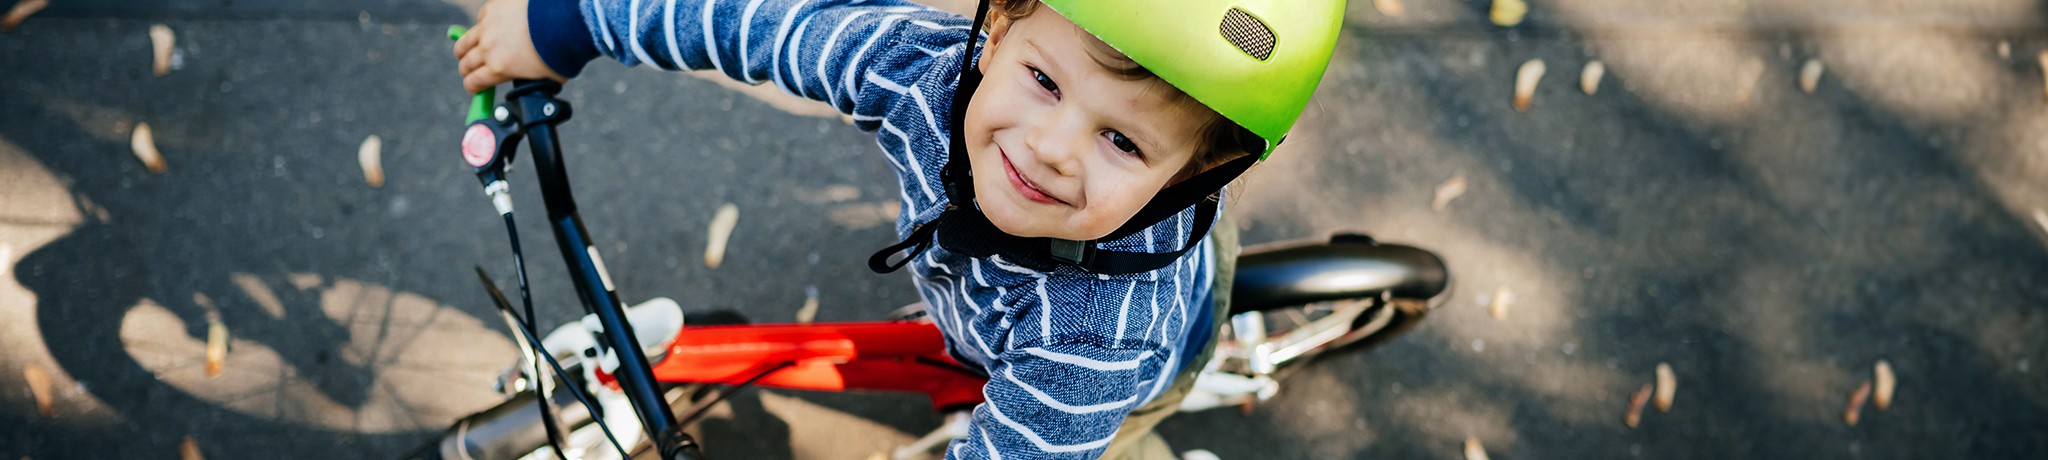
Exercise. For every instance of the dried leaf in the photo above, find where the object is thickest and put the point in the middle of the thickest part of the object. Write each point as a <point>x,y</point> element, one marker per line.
<point>1451,189</point>
<point>2041,218</point>
<point>216,345</point>
<point>1589,79</point>
<point>371,156</point>
<point>1855,410</point>
<point>144,143</point>
<point>1749,73</point>
<point>1502,299</point>
<point>1809,75</point>
<point>303,281</point>
<point>1474,451</point>
<point>1525,83</point>
<point>721,229</point>
<point>1667,387</point>
<point>1886,384</point>
<point>2005,49</point>
<point>1391,8</point>
<point>839,193</point>
<point>21,11</point>
<point>1635,407</point>
<point>1508,13</point>
<point>810,310</point>
<point>189,450</point>
<point>164,41</point>
<point>855,216</point>
<point>39,387</point>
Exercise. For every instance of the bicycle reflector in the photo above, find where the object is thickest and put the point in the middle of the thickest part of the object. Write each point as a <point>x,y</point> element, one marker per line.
<point>487,147</point>
<point>479,146</point>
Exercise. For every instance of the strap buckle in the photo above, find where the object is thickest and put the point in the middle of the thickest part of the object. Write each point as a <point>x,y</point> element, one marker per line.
<point>1071,251</point>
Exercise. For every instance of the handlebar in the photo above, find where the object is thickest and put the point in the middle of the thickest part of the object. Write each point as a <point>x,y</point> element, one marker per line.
<point>530,113</point>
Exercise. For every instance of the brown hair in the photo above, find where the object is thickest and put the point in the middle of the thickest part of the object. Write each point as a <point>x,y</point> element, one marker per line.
<point>1222,140</point>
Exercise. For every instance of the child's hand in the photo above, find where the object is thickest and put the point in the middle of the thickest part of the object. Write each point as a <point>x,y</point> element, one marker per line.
<point>499,48</point>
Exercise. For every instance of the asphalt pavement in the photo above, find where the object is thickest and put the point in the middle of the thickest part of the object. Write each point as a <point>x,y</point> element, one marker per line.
<point>1701,209</point>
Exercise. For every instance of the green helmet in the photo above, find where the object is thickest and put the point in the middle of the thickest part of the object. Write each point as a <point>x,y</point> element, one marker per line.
<point>1256,62</point>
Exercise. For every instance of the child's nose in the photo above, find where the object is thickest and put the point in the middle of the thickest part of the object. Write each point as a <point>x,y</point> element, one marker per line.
<point>1061,142</point>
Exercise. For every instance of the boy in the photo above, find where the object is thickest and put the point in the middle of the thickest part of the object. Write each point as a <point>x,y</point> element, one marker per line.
<point>1067,253</point>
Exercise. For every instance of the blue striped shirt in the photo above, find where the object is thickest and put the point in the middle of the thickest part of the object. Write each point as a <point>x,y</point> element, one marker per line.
<point>1068,353</point>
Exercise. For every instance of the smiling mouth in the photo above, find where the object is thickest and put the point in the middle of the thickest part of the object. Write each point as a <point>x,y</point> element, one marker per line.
<point>1024,186</point>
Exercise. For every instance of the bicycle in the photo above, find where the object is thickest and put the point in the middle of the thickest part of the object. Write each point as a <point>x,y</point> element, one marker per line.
<point>1344,293</point>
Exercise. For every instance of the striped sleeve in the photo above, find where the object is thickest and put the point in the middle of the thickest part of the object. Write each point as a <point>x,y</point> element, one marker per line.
<point>1061,401</point>
<point>850,54</point>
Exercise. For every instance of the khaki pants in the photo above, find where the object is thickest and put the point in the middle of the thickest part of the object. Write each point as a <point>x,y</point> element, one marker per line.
<point>1135,440</point>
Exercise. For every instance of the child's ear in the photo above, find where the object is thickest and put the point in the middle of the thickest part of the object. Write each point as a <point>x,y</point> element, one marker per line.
<point>998,27</point>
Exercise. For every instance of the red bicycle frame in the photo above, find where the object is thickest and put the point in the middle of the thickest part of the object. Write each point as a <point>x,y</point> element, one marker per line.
<point>899,356</point>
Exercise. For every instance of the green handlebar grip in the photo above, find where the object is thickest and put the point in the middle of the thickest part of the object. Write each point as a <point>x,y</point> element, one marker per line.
<point>479,103</point>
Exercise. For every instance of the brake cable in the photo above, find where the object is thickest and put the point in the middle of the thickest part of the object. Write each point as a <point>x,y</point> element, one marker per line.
<point>526,329</point>
<point>542,382</point>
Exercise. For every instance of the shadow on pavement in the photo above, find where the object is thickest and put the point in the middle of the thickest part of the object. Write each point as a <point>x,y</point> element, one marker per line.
<point>337,353</point>
<point>1770,256</point>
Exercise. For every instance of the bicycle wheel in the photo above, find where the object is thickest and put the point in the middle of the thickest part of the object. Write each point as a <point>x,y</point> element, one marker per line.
<point>1293,302</point>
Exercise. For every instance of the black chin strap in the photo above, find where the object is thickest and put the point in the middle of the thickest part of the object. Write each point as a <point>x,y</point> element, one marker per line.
<point>965,230</point>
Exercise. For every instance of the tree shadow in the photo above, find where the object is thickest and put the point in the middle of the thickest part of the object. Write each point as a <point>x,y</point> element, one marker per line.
<point>1771,259</point>
<point>215,236</point>
<point>1770,278</point>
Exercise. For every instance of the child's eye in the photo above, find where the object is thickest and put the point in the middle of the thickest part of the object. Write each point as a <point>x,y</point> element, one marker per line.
<point>1124,143</point>
<point>1044,81</point>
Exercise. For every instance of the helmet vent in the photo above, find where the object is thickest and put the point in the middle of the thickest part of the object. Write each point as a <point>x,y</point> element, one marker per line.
<point>1247,33</point>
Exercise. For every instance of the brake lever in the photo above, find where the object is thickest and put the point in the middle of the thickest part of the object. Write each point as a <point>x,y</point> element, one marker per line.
<point>490,141</point>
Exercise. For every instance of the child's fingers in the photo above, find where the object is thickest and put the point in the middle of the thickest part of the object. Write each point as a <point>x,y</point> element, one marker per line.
<point>476,82</point>
<point>467,42</point>
<point>473,83</point>
<point>471,62</point>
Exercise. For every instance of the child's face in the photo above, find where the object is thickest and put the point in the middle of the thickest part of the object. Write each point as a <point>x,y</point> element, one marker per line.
<point>1063,146</point>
